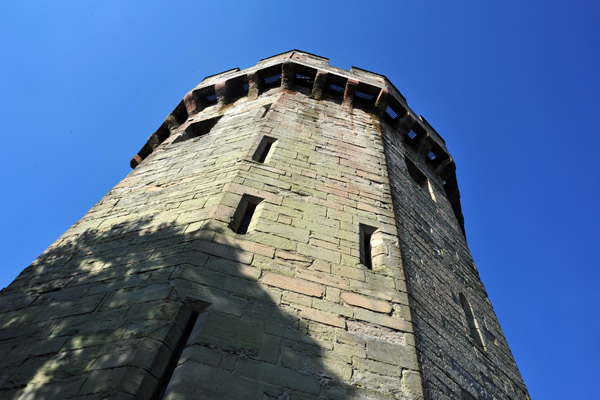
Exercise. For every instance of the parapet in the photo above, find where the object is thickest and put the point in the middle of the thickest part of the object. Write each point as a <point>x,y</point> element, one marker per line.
<point>311,74</point>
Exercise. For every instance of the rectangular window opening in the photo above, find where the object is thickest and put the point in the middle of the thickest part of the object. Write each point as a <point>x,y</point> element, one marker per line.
<point>411,134</point>
<point>264,149</point>
<point>242,218</point>
<point>415,173</point>
<point>366,233</point>
<point>431,155</point>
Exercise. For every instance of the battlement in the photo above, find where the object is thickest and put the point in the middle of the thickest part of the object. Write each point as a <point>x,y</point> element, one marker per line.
<point>311,74</point>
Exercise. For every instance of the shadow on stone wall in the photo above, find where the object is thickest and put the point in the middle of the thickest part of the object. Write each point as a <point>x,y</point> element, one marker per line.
<point>98,315</point>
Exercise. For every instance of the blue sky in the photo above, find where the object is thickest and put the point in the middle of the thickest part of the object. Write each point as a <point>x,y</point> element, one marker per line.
<point>511,86</point>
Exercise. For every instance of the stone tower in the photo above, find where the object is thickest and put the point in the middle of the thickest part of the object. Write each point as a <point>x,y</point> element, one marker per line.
<point>291,231</point>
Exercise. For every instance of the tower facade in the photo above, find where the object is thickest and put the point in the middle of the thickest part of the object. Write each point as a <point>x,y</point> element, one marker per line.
<point>291,231</point>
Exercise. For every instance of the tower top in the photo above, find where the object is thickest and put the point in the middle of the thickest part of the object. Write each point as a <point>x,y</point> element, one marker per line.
<point>311,74</point>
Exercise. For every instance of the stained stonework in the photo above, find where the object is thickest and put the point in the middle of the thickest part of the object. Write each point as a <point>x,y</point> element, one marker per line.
<point>291,231</point>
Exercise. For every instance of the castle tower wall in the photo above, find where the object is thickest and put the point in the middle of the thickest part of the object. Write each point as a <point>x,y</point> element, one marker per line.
<point>270,242</point>
<point>462,349</point>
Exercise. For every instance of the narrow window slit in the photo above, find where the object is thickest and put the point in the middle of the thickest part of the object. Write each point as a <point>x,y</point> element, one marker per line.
<point>414,172</point>
<point>175,356</point>
<point>366,249</point>
<point>196,307</point>
<point>265,110</point>
<point>472,323</point>
<point>242,218</point>
<point>264,148</point>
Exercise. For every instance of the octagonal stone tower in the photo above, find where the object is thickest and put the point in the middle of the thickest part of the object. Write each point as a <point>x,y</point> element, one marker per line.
<point>291,231</point>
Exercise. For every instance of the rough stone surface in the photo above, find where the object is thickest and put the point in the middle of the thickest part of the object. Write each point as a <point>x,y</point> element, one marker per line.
<point>288,310</point>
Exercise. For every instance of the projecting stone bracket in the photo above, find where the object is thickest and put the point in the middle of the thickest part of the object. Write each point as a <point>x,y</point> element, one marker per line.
<point>288,75</point>
<point>254,85</point>
<point>319,85</point>
<point>350,92</point>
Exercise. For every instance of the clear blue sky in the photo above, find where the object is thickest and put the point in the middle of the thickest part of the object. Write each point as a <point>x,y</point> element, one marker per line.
<point>512,86</point>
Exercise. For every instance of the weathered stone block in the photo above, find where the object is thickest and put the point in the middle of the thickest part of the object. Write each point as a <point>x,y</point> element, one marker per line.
<point>227,331</point>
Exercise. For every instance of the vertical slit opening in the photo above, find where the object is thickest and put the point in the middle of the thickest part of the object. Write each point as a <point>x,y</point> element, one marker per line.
<point>415,173</point>
<point>265,110</point>
<point>366,249</point>
<point>264,149</point>
<point>195,307</point>
<point>242,218</point>
<point>247,218</point>
<point>175,356</point>
<point>472,323</point>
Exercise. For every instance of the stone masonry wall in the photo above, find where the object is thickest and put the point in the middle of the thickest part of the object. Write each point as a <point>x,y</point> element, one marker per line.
<point>285,311</point>
<point>439,268</point>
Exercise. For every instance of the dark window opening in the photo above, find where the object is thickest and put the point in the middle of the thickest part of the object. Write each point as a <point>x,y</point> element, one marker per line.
<point>198,129</point>
<point>211,98</point>
<point>242,217</point>
<point>415,173</point>
<point>265,110</point>
<point>453,195</point>
<point>263,149</point>
<point>472,323</point>
<point>366,233</point>
<point>246,87</point>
